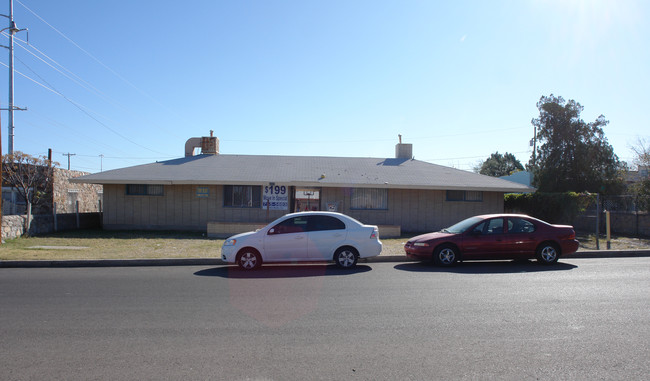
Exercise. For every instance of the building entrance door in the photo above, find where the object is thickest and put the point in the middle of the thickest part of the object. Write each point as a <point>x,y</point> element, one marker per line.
<point>307,199</point>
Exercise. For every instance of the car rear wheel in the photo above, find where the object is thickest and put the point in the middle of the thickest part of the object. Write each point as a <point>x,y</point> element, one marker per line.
<point>445,255</point>
<point>346,257</point>
<point>547,253</point>
<point>249,259</point>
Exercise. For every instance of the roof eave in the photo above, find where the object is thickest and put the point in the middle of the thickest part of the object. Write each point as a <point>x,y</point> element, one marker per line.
<point>522,189</point>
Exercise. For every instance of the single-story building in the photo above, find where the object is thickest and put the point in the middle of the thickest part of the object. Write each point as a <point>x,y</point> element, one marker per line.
<point>225,194</point>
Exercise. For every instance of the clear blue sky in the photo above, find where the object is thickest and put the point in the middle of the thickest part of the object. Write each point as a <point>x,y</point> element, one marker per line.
<point>133,80</point>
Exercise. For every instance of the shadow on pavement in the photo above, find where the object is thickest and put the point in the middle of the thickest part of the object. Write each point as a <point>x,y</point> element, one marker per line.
<point>481,267</point>
<point>282,271</point>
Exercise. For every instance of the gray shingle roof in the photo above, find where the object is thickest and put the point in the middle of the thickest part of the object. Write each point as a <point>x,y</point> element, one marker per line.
<point>303,171</point>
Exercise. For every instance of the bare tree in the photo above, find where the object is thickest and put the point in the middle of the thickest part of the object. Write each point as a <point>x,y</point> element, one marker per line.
<point>642,160</point>
<point>31,177</point>
<point>641,152</point>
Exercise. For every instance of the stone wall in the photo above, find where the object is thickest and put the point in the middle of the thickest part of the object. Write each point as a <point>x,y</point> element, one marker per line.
<point>65,193</point>
<point>14,226</point>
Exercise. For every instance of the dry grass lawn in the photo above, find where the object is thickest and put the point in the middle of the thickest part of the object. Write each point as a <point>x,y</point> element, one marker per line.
<point>100,244</point>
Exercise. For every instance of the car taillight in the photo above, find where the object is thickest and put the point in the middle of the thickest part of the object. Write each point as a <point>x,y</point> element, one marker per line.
<point>374,234</point>
<point>571,235</point>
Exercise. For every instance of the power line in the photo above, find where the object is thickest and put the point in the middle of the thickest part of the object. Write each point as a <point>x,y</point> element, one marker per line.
<point>53,89</point>
<point>79,136</point>
<point>68,73</point>
<point>78,80</point>
<point>82,109</point>
<point>469,157</point>
<point>84,50</point>
<point>129,158</point>
<point>368,140</point>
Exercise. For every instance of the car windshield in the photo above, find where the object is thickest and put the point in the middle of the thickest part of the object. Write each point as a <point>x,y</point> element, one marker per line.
<point>462,226</point>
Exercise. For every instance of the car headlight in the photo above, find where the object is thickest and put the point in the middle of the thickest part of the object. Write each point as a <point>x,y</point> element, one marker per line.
<point>230,242</point>
<point>421,244</point>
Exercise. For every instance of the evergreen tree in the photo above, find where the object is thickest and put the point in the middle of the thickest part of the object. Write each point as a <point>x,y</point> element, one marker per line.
<point>572,155</point>
<point>498,165</point>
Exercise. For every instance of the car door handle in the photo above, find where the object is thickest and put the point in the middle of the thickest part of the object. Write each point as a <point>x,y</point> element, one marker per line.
<point>299,237</point>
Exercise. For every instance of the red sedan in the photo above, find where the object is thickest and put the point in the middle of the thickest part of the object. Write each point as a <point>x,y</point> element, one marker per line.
<point>494,236</point>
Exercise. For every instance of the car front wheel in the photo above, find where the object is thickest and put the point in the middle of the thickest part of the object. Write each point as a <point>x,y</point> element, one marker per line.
<point>445,255</point>
<point>346,257</point>
<point>249,259</point>
<point>547,254</point>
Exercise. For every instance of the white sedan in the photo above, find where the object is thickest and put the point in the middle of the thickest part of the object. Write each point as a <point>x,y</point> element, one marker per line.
<point>304,236</point>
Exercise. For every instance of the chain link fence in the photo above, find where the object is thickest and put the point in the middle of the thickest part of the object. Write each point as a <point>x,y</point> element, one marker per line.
<point>628,216</point>
<point>625,203</point>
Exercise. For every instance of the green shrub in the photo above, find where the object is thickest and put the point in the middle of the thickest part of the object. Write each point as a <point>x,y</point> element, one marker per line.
<point>550,207</point>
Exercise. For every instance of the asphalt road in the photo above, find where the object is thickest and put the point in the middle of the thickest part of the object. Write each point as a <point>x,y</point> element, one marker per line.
<point>581,319</point>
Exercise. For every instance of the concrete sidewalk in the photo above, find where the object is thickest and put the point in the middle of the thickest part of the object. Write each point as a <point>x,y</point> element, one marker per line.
<point>219,262</point>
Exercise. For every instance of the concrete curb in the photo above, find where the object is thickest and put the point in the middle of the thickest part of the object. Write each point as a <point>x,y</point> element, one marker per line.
<point>609,253</point>
<point>219,262</point>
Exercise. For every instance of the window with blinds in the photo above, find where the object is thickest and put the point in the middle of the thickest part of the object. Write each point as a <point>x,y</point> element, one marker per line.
<point>460,195</point>
<point>242,196</point>
<point>144,189</point>
<point>369,199</point>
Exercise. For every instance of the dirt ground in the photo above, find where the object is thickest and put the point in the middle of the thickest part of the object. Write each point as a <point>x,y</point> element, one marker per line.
<point>588,242</point>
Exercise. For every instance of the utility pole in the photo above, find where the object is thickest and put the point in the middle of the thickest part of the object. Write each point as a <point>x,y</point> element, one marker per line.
<point>533,143</point>
<point>13,29</point>
<point>101,162</point>
<point>68,155</point>
<point>1,178</point>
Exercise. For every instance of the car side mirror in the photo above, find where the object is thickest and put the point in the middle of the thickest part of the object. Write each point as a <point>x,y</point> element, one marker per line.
<point>271,231</point>
<point>475,232</point>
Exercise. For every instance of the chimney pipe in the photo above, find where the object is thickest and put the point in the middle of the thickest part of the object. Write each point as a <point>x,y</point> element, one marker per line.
<point>190,144</point>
